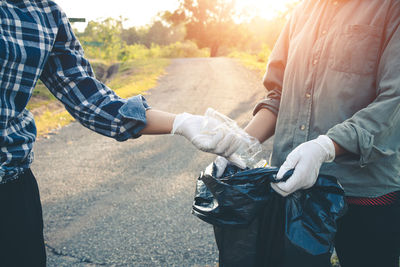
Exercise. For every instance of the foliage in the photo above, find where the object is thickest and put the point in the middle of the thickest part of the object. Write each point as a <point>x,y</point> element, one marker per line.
<point>160,34</point>
<point>179,49</point>
<point>118,44</point>
<point>210,23</point>
<point>261,32</point>
<point>184,49</point>
<point>218,25</point>
<point>335,261</point>
<point>108,34</point>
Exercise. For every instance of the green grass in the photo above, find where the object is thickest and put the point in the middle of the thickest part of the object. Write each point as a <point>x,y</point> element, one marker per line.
<point>133,77</point>
<point>50,120</point>
<point>335,261</point>
<point>136,77</point>
<point>250,61</point>
<point>41,96</point>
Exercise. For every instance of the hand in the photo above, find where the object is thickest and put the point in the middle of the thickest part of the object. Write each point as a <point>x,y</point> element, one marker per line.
<point>211,135</point>
<point>220,163</point>
<point>306,159</point>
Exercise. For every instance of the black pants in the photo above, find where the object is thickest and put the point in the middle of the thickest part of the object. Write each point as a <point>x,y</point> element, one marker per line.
<point>369,237</point>
<point>21,223</point>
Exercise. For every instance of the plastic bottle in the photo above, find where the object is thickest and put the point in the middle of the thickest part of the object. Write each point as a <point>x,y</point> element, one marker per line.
<point>251,151</point>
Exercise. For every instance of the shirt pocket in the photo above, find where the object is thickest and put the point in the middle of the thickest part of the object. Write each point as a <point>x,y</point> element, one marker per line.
<point>356,49</point>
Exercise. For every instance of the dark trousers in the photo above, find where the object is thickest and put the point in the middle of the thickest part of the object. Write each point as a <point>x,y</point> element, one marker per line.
<point>21,223</point>
<point>369,237</point>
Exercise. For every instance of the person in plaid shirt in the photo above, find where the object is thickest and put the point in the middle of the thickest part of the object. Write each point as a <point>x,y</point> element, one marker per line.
<point>37,42</point>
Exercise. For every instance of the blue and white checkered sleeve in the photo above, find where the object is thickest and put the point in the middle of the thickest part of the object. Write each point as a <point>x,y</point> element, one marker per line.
<point>69,76</point>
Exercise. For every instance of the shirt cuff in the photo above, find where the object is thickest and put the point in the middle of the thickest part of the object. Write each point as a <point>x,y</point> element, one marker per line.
<point>269,103</point>
<point>357,141</point>
<point>134,112</point>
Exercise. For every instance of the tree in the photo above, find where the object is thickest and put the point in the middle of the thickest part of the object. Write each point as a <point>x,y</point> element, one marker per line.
<point>130,36</point>
<point>263,31</point>
<point>106,33</point>
<point>209,23</point>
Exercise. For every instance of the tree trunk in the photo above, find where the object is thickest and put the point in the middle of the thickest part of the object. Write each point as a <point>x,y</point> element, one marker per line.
<point>214,50</point>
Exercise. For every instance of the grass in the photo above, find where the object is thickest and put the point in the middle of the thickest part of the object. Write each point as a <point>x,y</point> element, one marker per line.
<point>136,77</point>
<point>133,77</point>
<point>335,261</point>
<point>250,61</point>
<point>256,62</point>
<point>50,120</point>
<point>41,96</point>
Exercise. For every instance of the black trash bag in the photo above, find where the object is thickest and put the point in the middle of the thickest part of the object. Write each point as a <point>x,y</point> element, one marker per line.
<point>255,226</point>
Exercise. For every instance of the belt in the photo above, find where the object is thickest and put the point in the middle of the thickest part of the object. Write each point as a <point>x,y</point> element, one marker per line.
<point>384,200</point>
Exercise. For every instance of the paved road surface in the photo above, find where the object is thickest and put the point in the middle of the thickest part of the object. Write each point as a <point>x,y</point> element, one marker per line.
<point>107,203</point>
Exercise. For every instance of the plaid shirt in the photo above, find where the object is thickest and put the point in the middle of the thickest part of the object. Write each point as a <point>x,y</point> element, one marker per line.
<point>36,41</point>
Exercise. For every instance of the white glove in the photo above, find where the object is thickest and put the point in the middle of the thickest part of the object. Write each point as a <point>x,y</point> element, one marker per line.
<point>218,138</point>
<point>220,163</point>
<point>306,159</point>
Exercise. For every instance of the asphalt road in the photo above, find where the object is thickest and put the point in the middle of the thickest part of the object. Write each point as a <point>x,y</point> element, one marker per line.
<point>107,203</point>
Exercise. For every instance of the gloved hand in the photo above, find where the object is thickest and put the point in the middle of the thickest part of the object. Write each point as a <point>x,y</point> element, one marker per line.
<point>210,135</point>
<point>220,163</point>
<point>306,159</point>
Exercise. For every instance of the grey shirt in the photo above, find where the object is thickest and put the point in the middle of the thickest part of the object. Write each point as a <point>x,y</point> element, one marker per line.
<point>335,70</point>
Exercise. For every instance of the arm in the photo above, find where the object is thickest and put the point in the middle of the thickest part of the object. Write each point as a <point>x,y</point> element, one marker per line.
<point>158,122</point>
<point>338,149</point>
<point>369,135</point>
<point>69,76</point>
<point>262,126</point>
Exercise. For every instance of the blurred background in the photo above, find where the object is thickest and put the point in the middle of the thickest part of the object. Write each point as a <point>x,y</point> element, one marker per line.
<point>220,27</point>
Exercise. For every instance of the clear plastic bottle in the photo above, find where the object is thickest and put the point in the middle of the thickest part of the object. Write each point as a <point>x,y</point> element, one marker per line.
<point>252,155</point>
<point>251,151</point>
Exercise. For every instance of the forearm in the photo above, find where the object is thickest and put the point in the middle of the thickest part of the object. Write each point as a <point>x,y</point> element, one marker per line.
<point>158,122</point>
<point>338,149</point>
<point>262,126</point>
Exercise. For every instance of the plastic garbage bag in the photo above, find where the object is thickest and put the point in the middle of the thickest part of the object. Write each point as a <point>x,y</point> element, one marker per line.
<point>255,226</point>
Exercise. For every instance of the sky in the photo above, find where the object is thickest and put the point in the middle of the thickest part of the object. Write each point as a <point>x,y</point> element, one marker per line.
<point>140,13</point>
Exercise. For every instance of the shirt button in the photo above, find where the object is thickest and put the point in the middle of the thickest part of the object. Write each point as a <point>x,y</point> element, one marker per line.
<point>315,62</point>
<point>302,127</point>
<point>324,32</point>
<point>308,95</point>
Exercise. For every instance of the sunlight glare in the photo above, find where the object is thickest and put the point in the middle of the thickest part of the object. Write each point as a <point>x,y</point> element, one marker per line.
<point>264,8</point>
<point>140,13</point>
